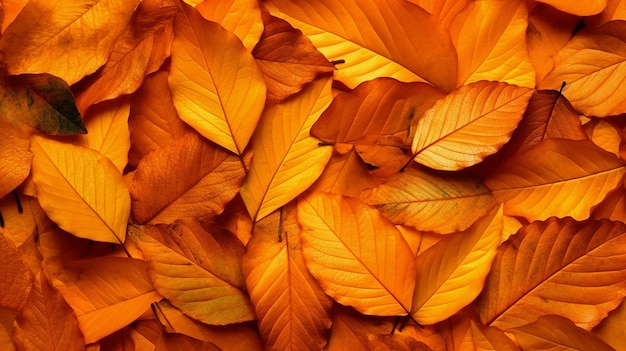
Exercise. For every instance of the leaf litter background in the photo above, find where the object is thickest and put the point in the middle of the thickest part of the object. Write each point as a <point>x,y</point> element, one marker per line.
<point>291,175</point>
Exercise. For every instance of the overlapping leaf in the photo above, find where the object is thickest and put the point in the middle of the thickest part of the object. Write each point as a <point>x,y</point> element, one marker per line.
<point>558,266</point>
<point>292,310</point>
<point>15,157</point>
<point>241,17</point>
<point>359,258</point>
<point>375,39</point>
<point>467,331</point>
<point>216,84</point>
<point>80,190</point>
<point>69,39</point>
<point>557,177</point>
<point>287,160</point>
<point>586,8</point>
<point>15,277</point>
<point>197,267</point>
<point>471,123</point>
<point>431,202</point>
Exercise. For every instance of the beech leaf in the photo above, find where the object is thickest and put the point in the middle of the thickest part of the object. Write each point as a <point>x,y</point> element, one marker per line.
<point>586,8</point>
<point>469,124</point>
<point>15,158</point>
<point>15,278</point>
<point>359,258</point>
<point>241,17</point>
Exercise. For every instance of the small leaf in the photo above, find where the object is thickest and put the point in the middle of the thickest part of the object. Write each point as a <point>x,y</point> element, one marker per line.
<point>241,17</point>
<point>197,268</point>
<point>80,190</point>
<point>15,278</point>
<point>469,124</point>
<point>359,258</point>
<point>15,157</point>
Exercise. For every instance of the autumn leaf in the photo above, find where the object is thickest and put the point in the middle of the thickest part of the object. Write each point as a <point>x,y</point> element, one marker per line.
<point>15,157</point>
<point>464,330</point>
<point>197,268</point>
<point>286,160</point>
<point>14,275</point>
<point>68,39</point>
<point>10,10</point>
<point>217,86</point>
<point>80,190</point>
<point>359,258</point>
<point>552,267</point>
<point>363,34</point>
<point>344,174</point>
<point>292,310</point>
<point>530,184</point>
<point>241,17</point>
<point>582,9</point>
<point>469,124</point>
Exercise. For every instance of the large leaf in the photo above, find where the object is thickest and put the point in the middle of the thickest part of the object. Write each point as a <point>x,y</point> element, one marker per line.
<point>359,257</point>
<point>201,178</point>
<point>559,266</point>
<point>197,267</point>
<point>489,37</point>
<point>216,84</point>
<point>451,273</point>
<point>15,278</point>
<point>48,322</point>
<point>241,17</point>
<point>375,38</point>
<point>467,331</point>
<point>286,160</point>
<point>468,125</point>
<point>67,38</point>
<point>592,64</point>
<point>557,177</point>
<point>15,157</point>
<point>292,310</point>
<point>443,203</point>
<point>80,190</point>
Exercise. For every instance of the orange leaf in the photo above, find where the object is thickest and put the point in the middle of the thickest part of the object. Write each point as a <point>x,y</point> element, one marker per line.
<point>553,267</point>
<point>153,121</point>
<point>344,174</point>
<point>592,64</point>
<point>216,84</point>
<point>557,177</point>
<point>15,158</point>
<point>469,335</point>
<point>287,59</point>
<point>375,38</point>
<point>10,9</point>
<point>202,178</point>
<point>47,322</point>
<point>359,258</point>
<point>613,206</point>
<point>443,203</point>
<point>469,124</point>
<point>445,10</point>
<point>489,37</point>
<point>15,278</point>
<point>196,266</point>
<point>605,135</point>
<point>552,332</point>
<point>69,39</point>
<point>241,17</point>
<point>451,273</point>
<point>611,328</point>
<point>286,160</point>
<point>292,310</point>
<point>585,8</point>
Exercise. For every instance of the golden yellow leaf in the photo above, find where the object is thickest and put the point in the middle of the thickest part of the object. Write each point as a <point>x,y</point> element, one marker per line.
<point>104,300</point>
<point>359,257</point>
<point>376,38</point>
<point>15,157</point>
<point>47,322</point>
<point>592,64</point>
<point>552,332</point>
<point>69,39</point>
<point>197,267</point>
<point>469,124</point>
<point>202,178</point>
<point>557,177</point>
<point>605,135</point>
<point>580,8</point>
<point>489,37</point>
<point>344,174</point>
<point>429,201</point>
<point>286,160</point>
<point>558,266</point>
<point>241,17</point>
<point>445,10</point>
<point>451,273</point>
<point>292,310</point>
<point>80,190</point>
<point>216,84</point>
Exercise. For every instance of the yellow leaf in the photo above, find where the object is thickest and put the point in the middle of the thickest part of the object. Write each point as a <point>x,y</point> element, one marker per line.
<point>451,273</point>
<point>469,124</point>
<point>80,190</point>
<point>580,8</point>
<point>197,267</point>
<point>431,202</point>
<point>376,38</point>
<point>292,310</point>
<point>67,38</point>
<point>286,160</point>
<point>489,37</point>
<point>241,17</point>
<point>359,258</point>
<point>216,84</point>
<point>557,177</point>
<point>593,64</point>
